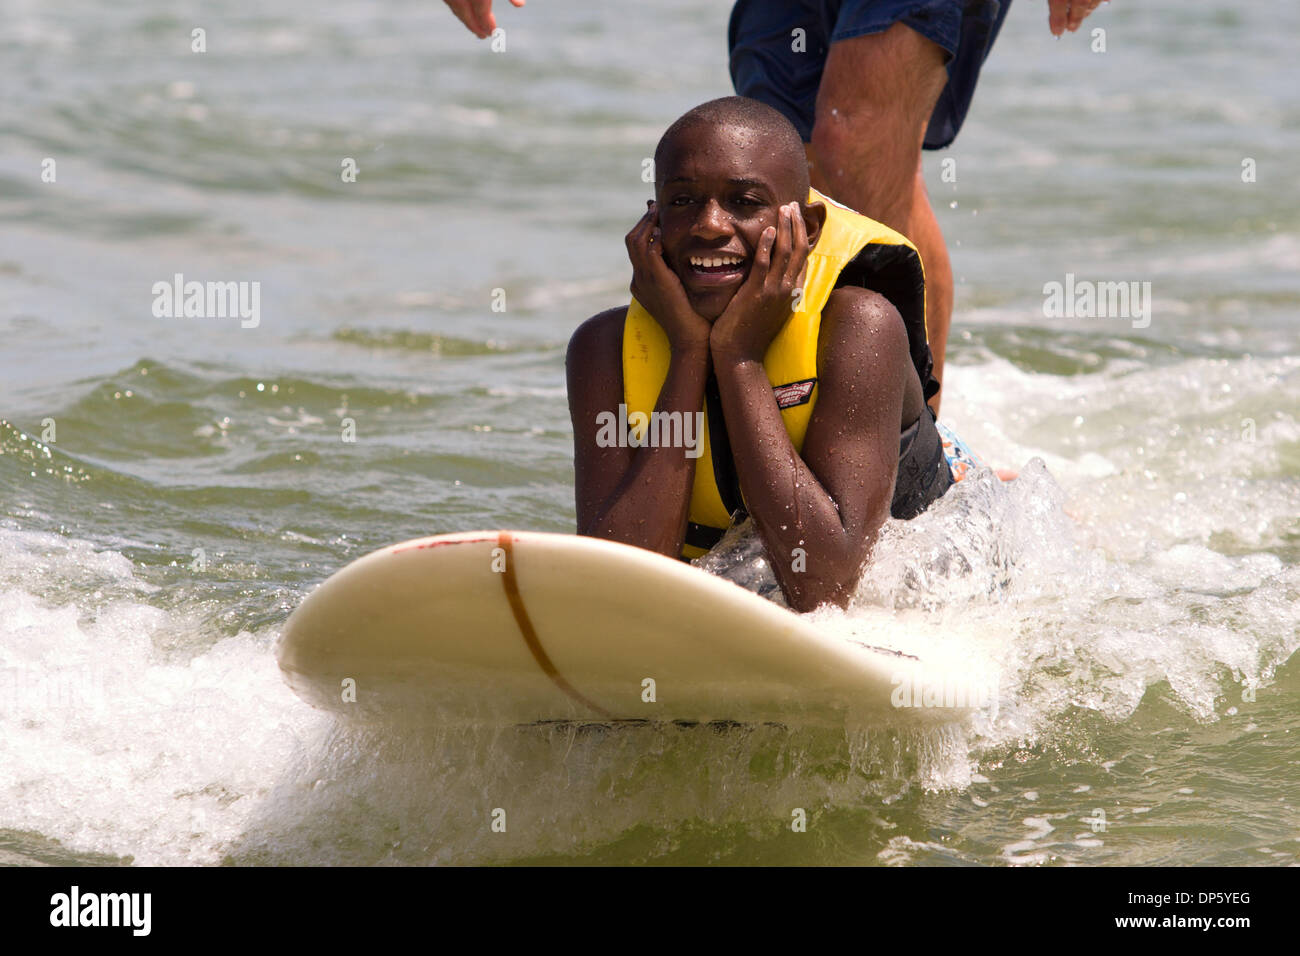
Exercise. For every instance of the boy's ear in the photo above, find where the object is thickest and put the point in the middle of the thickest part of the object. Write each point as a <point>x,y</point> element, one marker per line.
<point>814,217</point>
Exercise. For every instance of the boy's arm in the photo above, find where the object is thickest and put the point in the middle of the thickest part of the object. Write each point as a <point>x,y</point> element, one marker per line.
<point>830,502</point>
<point>639,496</point>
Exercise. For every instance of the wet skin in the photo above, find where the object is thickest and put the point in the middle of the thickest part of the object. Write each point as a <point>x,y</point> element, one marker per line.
<point>720,192</point>
<point>724,192</point>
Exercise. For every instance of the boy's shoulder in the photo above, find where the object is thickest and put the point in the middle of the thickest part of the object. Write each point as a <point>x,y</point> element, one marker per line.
<point>863,354</point>
<point>603,321</point>
<point>853,315</point>
<point>599,336</point>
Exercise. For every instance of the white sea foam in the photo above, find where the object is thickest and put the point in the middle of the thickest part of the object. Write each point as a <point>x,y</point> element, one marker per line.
<point>111,740</point>
<point>1082,587</point>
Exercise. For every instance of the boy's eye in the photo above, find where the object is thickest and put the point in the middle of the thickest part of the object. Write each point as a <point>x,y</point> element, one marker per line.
<point>748,202</point>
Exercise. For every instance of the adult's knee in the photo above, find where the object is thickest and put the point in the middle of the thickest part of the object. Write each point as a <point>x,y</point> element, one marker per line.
<point>866,165</point>
<point>846,130</point>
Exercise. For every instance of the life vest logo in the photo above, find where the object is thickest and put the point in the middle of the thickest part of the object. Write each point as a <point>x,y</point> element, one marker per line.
<point>794,393</point>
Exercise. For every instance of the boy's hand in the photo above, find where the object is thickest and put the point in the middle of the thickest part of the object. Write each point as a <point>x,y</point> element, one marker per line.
<point>658,289</point>
<point>761,306</point>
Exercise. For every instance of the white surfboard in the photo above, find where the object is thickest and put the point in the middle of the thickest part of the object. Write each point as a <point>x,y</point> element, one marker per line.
<point>520,627</point>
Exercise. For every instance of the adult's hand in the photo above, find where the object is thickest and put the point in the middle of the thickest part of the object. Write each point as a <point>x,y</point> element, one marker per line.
<point>1062,15</point>
<point>477,15</point>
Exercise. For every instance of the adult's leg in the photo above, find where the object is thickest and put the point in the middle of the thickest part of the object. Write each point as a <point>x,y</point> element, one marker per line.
<point>923,230</point>
<point>873,105</point>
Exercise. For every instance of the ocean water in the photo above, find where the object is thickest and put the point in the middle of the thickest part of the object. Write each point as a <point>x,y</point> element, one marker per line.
<point>171,488</point>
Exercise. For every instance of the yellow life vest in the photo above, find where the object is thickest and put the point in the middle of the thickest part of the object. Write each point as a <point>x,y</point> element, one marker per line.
<point>851,250</point>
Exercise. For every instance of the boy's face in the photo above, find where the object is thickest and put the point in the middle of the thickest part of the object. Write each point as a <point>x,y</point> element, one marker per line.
<point>719,188</point>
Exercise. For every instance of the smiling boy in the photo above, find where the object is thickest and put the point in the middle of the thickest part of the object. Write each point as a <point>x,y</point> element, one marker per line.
<point>796,326</point>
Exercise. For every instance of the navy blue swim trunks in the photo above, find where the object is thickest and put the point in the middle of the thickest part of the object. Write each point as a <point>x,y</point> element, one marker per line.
<point>765,66</point>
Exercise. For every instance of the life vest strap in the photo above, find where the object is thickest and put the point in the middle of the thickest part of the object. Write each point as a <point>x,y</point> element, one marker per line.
<point>724,465</point>
<point>702,536</point>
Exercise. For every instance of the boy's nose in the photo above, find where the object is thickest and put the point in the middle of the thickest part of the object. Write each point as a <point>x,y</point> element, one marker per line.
<point>713,220</point>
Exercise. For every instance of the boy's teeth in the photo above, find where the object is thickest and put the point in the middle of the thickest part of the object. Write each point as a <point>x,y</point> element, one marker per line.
<point>715,262</point>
